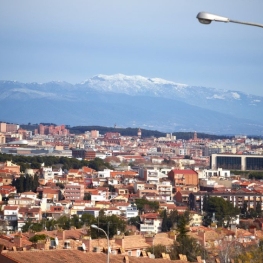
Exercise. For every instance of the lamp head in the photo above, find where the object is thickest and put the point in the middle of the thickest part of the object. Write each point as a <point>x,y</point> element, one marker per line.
<point>207,18</point>
<point>94,226</point>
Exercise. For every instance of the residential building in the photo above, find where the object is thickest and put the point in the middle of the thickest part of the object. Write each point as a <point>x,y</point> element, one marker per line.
<point>151,223</point>
<point>183,178</point>
<point>237,198</point>
<point>10,216</point>
<point>74,191</point>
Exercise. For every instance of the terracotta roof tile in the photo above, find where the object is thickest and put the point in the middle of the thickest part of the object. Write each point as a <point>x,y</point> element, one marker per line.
<point>63,256</point>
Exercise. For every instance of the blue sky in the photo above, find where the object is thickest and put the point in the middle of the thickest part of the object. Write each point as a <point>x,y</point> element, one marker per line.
<point>71,41</point>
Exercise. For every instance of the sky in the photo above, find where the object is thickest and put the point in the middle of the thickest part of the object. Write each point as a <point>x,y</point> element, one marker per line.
<point>62,40</point>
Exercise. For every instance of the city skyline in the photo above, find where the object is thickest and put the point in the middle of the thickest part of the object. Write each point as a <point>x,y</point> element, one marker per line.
<point>66,41</point>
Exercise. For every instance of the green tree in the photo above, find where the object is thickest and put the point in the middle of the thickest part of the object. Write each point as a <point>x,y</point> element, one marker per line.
<point>87,196</point>
<point>243,209</point>
<point>173,219</point>
<point>182,229</point>
<point>144,204</point>
<point>157,250</point>
<point>258,209</point>
<point>185,244</point>
<point>188,246</point>
<point>36,227</point>
<point>110,224</point>
<point>165,222</point>
<point>75,221</point>
<point>252,213</point>
<point>36,238</point>
<point>135,221</point>
<point>99,165</point>
<point>20,184</point>
<point>35,183</point>
<point>49,224</point>
<point>87,219</point>
<point>224,211</point>
<point>64,222</point>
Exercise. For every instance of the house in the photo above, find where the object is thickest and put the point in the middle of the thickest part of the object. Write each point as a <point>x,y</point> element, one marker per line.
<point>11,217</point>
<point>47,174</point>
<point>112,211</point>
<point>10,167</point>
<point>182,178</point>
<point>6,190</point>
<point>74,191</point>
<point>6,177</point>
<point>52,194</point>
<point>90,210</point>
<point>131,211</point>
<point>26,214</point>
<point>168,207</point>
<point>182,197</point>
<point>151,176</point>
<point>165,189</point>
<point>196,219</point>
<point>151,223</point>
<point>21,201</point>
<point>139,185</point>
<point>54,212</point>
<point>30,194</point>
<point>103,204</point>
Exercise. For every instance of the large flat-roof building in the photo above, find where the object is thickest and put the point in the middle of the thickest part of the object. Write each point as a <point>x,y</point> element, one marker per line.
<point>236,161</point>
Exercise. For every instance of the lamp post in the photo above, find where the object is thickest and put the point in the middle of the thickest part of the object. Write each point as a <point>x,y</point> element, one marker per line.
<point>108,244</point>
<point>207,18</point>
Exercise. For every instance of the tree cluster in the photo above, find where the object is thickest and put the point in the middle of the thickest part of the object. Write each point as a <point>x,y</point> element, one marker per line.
<point>144,205</point>
<point>246,212</point>
<point>34,162</point>
<point>26,183</point>
<point>171,220</point>
<point>219,210</point>
<point>184,244</point>
<point>110,224</point>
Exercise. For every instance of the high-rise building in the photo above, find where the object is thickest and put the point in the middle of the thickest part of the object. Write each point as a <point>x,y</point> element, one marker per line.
<point>2,127</point>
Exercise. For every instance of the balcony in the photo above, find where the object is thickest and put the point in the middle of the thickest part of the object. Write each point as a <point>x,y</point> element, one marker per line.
<point>146,228</point>
<point>148,222</point>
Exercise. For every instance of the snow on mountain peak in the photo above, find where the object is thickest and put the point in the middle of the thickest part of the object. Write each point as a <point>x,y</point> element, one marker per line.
<point>235,95</point>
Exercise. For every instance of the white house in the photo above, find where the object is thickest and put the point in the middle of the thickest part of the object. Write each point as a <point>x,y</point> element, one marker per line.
<point>11,217</point>
<point>47,173</point>
<point>216,173</point>
<point>104,174</point>
<point>131,211</point>
<point>151,223</point>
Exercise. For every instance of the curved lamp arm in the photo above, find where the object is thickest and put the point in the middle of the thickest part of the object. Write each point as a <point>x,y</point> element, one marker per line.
<point>207,18</point>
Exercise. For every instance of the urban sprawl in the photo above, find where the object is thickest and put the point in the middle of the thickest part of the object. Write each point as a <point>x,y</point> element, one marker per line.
<point>95,197</point>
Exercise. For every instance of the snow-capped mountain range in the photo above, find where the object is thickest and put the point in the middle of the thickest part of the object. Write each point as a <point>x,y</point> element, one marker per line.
<point>133,101</point>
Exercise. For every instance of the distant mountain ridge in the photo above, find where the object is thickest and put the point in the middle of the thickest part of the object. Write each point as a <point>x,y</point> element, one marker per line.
<point>133,101</point>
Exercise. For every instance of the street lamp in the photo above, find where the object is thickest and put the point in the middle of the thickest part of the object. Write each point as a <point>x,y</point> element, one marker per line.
<point>108,244</point>
<point>207,18</point>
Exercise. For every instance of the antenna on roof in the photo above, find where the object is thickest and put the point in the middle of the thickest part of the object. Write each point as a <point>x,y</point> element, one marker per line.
<point>83,246</point>
<point>56,241</point>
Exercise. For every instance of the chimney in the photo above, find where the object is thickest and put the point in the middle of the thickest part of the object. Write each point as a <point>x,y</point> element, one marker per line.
<point>87,241</point>
<point>126,259</point>
<point>61,234</point>
<point>18,240</point>
<point>149,239</point>
<point>202,235</point>
<point>31,233</point>
<point>120,241</point>
<point>47,244</point>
